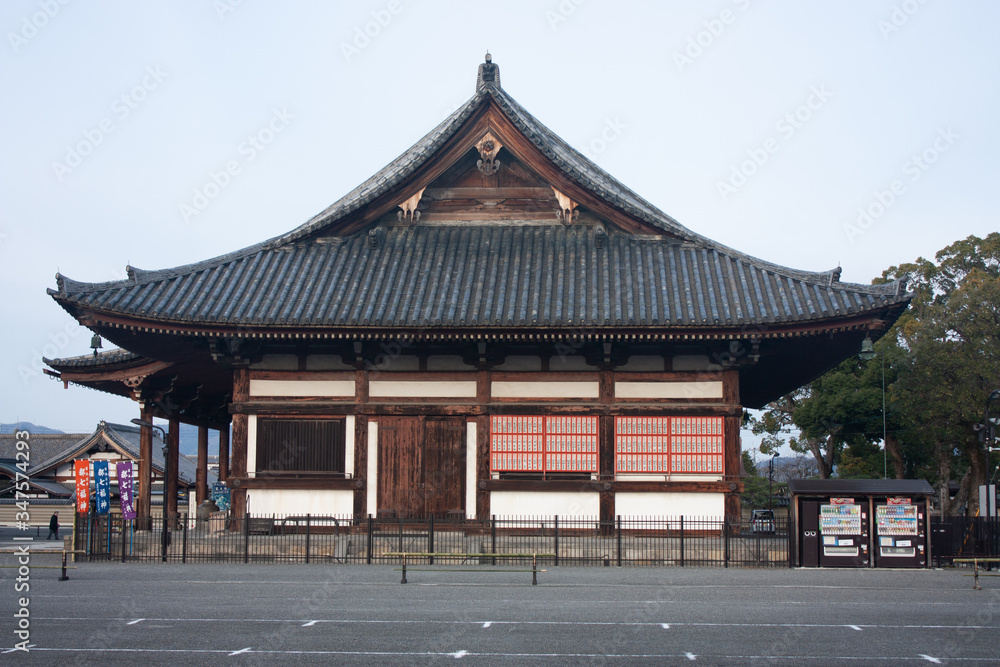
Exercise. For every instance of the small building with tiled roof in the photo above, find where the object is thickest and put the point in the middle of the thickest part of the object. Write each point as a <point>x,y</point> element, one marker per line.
<point>490,325</point>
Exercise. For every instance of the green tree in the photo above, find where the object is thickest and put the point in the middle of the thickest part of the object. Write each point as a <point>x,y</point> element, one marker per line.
<point>941,360</point>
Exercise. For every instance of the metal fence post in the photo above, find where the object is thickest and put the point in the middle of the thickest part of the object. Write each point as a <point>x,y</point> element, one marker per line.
<point>556,527</point>
<point>124,538</point>
<point>370,539</point>
<point>682,540</point>
<point>619,539</point>
<point>725,540</point>
<point>246,538</point>
<point>184,540</point>
<point>430,536</point>
<point>493,533</point>
<point>308,531</point>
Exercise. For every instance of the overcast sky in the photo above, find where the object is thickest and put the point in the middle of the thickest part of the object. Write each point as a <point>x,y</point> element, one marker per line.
<point>810,134</point>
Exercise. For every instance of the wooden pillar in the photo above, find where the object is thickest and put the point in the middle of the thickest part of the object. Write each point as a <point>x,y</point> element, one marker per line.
<point>173,452</point>
<point>201,476</point>
<point>145,481</point>
<point>224,453</point>
<point>484,396</point>
<point>606,452</point>
<point>238,462</point>
<point>731,443</point>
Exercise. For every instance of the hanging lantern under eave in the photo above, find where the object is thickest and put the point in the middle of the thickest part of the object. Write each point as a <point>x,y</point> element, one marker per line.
<point>867,352</point>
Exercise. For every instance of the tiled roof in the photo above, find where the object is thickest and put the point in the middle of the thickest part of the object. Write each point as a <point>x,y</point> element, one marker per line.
<point>480,274</point>
<point>43,446</point>
<point>488,275</point>
<point>104,358</point>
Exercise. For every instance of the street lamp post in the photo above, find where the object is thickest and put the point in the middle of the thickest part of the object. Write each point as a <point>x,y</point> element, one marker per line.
<point>868,353</point>
<point>987,429</point>
<point>165,533</point>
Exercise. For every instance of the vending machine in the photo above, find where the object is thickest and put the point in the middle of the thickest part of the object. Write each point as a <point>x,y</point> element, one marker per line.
<point>843,533</point>
<point>900,533</point>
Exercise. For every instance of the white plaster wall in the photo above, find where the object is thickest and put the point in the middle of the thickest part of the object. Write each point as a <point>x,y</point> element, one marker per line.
<point>470,470</point>
<point>302,388</point>
<point>349,445</point>
<point>668,389</point>
<point>372,472</point>
<point>542,503</point>
<point>251,445</point>
<point>421,389</point>
<point>670,504</point>
<point>545,389</point>
<point>321,502</point>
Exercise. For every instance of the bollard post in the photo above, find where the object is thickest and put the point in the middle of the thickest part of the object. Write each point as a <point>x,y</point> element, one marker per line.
<point>403,581</point>
<point>64,576</point>
<point>534,569</point>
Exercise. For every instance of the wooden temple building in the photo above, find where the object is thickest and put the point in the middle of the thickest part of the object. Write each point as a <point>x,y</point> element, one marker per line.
<point>489,325</point>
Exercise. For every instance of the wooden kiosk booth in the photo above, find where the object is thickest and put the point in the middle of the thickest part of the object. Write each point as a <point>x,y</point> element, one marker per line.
<point>861,522</point>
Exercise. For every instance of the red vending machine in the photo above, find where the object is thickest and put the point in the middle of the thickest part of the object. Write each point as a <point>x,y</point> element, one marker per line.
<point>900,533</point>
<point>843,533</point>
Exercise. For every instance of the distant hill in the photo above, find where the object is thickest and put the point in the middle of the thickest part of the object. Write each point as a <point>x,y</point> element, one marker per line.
<point>29,427</point>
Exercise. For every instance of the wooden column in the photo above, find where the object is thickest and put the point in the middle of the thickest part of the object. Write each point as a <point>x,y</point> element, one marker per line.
<point>201,476</point>
<point>224,453</point>
<point>145,481</point>
<point>606,452</point>
<point>360,471</point>
<point>238,463</point>
<point>731,444</point>
<point>173,451</point>
<point>484,398</point>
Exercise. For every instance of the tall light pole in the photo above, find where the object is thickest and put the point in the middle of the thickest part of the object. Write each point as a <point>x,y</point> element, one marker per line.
<point>987,429</point>
<point>165,541</point>
<point>868,353</point>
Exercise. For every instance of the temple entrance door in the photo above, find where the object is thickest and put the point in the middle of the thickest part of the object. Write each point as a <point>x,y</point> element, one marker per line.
<point>421,465</point>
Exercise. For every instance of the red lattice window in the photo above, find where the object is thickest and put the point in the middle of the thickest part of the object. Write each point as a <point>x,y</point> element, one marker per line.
<point>668,445</point>
<point>543,444</point>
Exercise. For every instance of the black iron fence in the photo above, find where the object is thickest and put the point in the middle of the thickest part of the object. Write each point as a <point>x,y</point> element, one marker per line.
<point>964,537</point>
<point>653,542</point>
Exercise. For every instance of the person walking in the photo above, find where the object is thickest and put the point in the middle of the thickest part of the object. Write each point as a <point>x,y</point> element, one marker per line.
<point>54,526</point>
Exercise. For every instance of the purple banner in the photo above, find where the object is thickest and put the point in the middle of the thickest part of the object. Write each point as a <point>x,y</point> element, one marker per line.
<point>125,489</point>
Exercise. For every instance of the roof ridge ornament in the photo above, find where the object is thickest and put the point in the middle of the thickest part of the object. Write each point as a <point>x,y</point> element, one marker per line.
<point>489,74</point>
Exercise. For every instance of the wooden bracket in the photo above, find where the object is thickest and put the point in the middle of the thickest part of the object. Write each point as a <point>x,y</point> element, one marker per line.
<point>566,213</point>
<point>409,212</point>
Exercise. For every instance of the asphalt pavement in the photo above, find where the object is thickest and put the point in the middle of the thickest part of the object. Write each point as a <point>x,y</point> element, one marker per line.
<point>153,614</point>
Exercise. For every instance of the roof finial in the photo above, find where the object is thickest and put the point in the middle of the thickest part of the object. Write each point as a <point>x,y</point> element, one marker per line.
<point>489,73</point>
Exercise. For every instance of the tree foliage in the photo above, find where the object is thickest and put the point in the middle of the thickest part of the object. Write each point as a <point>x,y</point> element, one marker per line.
<point>941,360</point>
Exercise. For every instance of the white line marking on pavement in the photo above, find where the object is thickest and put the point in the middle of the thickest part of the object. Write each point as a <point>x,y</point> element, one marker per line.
<point>487,624</point>
<point>820,659</point>
<point>854,627</point>
<point>459,654</point>
<point>309,624</point>
<point>11,650</point>
<point>929,658</point>
<point>690,656</point>
<point>665,626</point>
<point>138,620</point>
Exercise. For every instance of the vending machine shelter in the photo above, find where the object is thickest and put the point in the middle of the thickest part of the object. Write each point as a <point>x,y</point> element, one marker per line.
<point>860,522</point>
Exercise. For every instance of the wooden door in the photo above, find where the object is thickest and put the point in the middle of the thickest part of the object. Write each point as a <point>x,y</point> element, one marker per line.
<point>421,465</point>
<point>444,465</point>
<point>400,465</point>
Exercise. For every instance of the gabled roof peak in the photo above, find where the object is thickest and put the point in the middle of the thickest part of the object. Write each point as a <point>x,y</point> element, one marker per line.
<point>489,74</point>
